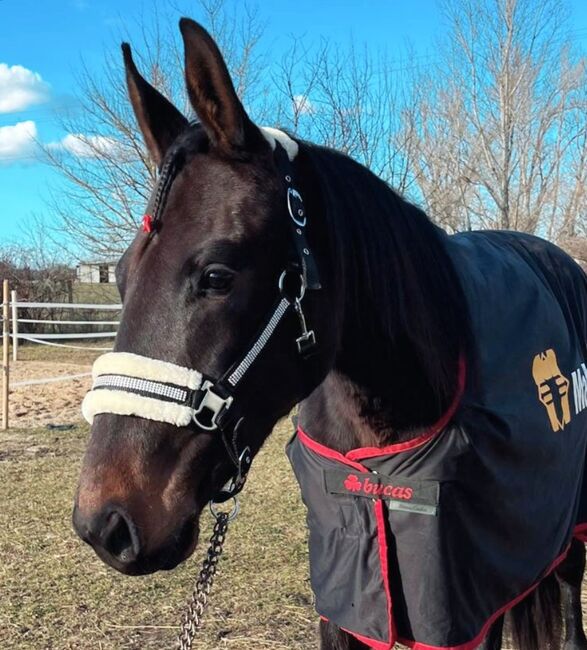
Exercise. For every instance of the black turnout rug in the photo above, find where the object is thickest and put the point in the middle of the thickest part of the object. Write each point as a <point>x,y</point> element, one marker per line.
<point>429,541</point>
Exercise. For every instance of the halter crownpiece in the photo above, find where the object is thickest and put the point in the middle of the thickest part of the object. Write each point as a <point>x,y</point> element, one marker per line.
<point>273,136</point>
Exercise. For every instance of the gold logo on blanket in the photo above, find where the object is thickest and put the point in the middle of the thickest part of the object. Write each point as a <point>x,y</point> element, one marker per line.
<point>553,389</point>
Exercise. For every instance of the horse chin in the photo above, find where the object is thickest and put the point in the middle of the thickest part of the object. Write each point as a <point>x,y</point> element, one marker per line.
<point>178,550</point>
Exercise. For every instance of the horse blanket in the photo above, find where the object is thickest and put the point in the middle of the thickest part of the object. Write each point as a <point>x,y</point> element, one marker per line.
<point>429,541</point>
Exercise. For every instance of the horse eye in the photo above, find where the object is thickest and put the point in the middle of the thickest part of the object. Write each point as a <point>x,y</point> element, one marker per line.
<point>216,278</point>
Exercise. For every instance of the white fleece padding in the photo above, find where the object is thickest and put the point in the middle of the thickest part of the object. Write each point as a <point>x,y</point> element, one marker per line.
<point>122,403</point>
<point>134,365</point>
<point>272,135</point>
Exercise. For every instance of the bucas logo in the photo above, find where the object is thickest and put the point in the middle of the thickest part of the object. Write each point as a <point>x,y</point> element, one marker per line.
<point>554,388</point>
<point>377,488</point>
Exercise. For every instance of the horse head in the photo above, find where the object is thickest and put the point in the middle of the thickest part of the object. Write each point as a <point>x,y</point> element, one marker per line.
<point>222,330</point>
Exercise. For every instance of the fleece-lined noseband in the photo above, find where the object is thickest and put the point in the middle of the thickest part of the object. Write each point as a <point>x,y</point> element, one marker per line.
<point>130,384</point>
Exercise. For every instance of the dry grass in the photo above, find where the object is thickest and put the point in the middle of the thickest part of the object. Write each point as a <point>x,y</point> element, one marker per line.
<point>38,352</point>
<point>95,293</point>
<point>56,594</point>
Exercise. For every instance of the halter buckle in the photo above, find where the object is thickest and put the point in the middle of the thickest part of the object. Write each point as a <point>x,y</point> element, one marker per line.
<point>210,407</point>
<point>306,343</point>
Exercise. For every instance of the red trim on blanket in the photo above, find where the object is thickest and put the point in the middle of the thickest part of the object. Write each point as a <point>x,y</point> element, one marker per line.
<point>474,643</point>
<point>382,544</point>
<point>370,452</point>
<point>371,643</point>
<point>580,533</point>
<point>327,452</point>
<point>383,563</point>
<point>362,453</point>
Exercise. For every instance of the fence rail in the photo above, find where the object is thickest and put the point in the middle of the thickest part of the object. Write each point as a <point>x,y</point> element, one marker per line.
<point>69,322</point>
<point>50,380</point>
<point>73,335</point>
<point>67,305</point>
<point>69,347</point>
<point>10,334</point>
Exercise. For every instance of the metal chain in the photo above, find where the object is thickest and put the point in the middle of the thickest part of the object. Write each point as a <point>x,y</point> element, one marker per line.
<point>192,616</point>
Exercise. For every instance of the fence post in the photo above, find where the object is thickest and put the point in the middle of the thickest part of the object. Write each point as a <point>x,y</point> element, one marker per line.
<point>14,300</point>
<point>5,351</point>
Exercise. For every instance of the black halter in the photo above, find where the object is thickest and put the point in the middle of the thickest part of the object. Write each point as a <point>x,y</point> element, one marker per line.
<point>214,404</point>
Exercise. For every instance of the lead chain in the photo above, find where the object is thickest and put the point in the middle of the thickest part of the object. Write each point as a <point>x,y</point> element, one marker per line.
<point>192,616</point>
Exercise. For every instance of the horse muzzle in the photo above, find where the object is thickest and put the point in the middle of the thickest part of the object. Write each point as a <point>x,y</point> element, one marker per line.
<point>116,539</point>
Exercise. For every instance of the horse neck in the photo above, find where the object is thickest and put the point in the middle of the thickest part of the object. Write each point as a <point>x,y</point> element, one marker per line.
<point>402,333</point>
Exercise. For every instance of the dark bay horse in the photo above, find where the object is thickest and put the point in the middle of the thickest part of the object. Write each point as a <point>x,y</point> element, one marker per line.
<point>295,276</point>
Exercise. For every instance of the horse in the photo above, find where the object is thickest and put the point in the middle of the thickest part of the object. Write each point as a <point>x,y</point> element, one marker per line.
<point>288,274</point>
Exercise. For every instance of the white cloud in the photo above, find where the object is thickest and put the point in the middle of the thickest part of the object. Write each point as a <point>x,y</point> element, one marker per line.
<point>20,88</point>
<point>86,146</point>
<point>18,142</point>
<point>302,105</point>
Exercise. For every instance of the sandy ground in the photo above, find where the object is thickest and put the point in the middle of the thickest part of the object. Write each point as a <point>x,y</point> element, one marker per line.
<point>53,403</point>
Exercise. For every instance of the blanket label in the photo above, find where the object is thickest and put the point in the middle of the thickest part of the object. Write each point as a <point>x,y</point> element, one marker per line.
<point>400,493</point>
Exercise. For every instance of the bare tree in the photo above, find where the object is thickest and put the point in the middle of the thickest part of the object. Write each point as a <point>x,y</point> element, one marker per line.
<point>501,139</point>
<point>108,170</point>
<point>354,100</point>
<point>38,271</point>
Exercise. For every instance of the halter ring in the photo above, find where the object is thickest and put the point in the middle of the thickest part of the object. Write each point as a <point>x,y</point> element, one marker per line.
<point>283,291</point>
<point>232,515</point>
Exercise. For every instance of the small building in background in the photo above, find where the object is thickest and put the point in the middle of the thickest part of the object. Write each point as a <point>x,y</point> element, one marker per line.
<point>96,272</point>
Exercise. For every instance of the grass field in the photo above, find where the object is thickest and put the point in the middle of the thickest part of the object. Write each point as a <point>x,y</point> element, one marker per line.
<point>56,594</point>
<point>95,293</point>
<point>36,352</point>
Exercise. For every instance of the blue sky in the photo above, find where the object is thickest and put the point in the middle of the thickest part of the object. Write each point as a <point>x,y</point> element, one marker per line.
<point>43,44</point>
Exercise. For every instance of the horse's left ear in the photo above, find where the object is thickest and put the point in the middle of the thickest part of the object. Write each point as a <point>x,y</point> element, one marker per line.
<point>159,120</point>
<point>212,93</point>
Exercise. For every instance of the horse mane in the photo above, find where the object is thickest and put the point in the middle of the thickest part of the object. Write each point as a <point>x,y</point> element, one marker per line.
<point>396,275</point>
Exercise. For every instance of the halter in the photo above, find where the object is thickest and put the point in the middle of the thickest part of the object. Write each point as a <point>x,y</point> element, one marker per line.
<point>131,384</point>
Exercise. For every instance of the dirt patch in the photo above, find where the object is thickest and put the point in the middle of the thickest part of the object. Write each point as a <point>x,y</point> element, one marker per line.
<point>55,403</point>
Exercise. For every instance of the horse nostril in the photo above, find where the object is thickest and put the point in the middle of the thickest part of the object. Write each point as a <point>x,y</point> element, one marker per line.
<point>119,537</point>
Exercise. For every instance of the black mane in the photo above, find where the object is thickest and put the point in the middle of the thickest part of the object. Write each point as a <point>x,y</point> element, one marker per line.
<point>399,284</point>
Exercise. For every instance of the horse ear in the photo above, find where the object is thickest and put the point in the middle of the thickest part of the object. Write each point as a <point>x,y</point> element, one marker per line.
<point>159,120</point>
<point>212,93</point>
